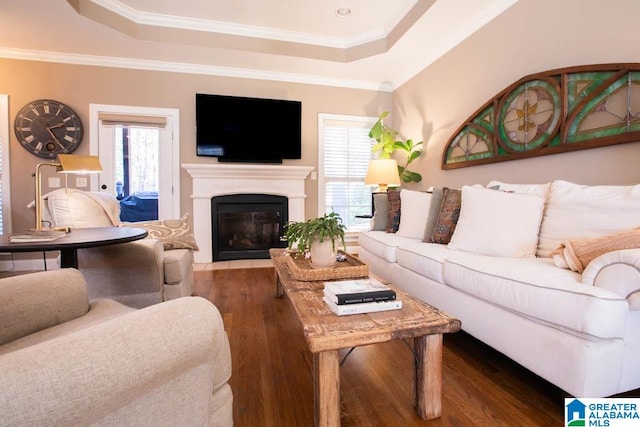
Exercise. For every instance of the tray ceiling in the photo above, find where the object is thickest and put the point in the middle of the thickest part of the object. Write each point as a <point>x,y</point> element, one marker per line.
<point>292,40</point>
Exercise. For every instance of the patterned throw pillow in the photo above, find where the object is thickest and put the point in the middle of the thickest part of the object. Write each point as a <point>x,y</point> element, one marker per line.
<point>173,233</point>
<point>393,221</point>
<point>448,217</point>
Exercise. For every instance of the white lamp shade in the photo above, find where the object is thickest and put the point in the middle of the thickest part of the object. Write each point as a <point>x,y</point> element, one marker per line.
<point>382,172</point>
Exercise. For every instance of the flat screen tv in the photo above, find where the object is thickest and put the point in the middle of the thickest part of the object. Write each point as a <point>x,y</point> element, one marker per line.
<point>239,129</point>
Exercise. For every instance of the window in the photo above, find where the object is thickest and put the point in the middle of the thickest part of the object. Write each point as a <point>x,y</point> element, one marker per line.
<point>344,153</point>
<point>5,217</point>
<point>136,160</point>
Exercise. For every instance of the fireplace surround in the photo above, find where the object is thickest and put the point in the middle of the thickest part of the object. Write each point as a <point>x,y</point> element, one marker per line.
<point>218,179</point>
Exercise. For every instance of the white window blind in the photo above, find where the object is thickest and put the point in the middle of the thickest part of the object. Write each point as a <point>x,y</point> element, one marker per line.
<point>345,153</point>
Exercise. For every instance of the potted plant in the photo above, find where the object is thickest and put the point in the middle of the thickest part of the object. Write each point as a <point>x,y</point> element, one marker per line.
<point>387,144</point>
<point>318,237</point>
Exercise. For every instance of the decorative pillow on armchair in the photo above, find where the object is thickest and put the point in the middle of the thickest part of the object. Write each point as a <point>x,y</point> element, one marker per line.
<point>173,233</point>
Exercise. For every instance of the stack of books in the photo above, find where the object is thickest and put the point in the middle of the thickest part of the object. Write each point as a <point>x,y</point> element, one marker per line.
<point>358,296</point>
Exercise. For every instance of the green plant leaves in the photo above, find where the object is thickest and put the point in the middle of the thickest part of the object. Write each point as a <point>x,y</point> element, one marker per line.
<point>387,144</point>
<point>329,226</point>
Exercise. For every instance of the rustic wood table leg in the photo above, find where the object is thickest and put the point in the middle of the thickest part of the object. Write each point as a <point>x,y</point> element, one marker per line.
<point>326,388</point>
<point>279,289</point>
<point>428,376</point>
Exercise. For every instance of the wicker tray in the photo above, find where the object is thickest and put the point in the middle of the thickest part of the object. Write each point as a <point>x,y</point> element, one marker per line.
<point>301,269</point>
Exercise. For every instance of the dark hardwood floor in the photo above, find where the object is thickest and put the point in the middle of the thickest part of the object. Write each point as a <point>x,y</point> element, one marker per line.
<point>272,383</point>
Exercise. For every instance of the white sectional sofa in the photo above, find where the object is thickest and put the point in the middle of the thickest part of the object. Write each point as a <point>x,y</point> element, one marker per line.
<point>580,331</point>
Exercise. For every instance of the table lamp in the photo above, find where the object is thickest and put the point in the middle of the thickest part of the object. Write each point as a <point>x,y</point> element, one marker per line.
<point>67,163</point>
<point>383,173</point>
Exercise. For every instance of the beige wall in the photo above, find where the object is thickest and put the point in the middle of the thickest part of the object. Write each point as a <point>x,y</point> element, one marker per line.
<point>532,36</point>
<point>79,86</point>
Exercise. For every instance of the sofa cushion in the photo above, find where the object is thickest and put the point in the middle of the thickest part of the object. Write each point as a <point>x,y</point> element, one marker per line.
<point>178,263</point>
<point>448,216</point>
<point>100,311</point>
<point>541,190</point>
<point>498,223</point>
<point>380,243</point>
<point>414,211</point>
<point>426,259</point>
<point>578,211</point>
<point>536,288</point>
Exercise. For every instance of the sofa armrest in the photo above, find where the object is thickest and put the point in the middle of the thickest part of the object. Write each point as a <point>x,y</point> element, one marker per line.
<point>36,301</point>
<point>618,272</point>
<point>162,365</point>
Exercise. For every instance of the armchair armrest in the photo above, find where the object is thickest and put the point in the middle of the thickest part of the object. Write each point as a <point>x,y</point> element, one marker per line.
<point>36,301</point>
<point>162,365</point>
<point>111,271</point>
<point>618,272</point>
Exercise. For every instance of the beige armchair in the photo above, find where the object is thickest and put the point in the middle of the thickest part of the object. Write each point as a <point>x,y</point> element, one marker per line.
<point>67,362</point>
<point>139,273</point>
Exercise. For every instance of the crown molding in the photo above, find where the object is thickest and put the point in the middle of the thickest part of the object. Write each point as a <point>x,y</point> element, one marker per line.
<point>179,67</point>
<point>212,26</point>
<point>446,44</point>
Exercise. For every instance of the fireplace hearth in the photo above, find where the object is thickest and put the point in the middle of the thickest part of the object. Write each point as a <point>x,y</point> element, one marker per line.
<point>246,226</point>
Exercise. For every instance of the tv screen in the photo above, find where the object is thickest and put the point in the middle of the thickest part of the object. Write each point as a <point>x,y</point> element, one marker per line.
<point>239,129</point>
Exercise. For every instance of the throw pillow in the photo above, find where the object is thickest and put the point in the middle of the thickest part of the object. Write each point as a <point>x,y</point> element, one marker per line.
<point>448,216</point>
<point>393,220</point>
<point>579,211</point>
<point>498,223</point>
<point>434,211</point>
<point>541,190</point>
<point>173,233</point>
<point>414,210</point>
<point>380,211</point>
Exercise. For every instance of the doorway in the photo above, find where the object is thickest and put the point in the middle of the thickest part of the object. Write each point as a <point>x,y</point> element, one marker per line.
<point>139,151</point>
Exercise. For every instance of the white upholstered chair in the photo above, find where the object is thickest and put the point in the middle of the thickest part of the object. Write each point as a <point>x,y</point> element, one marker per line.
<point>65,361</point>
<point>139,273</point>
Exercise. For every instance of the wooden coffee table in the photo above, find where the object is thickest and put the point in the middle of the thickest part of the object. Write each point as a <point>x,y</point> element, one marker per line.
<point>326,333</point>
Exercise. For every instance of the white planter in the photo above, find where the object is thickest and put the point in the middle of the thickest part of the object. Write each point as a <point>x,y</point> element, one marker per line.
<point>323,254</point>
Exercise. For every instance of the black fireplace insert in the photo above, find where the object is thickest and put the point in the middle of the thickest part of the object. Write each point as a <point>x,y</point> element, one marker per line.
<point>246,226</point>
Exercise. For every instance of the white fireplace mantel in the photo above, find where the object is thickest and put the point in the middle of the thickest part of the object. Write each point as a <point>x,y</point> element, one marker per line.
<point>218,179</point>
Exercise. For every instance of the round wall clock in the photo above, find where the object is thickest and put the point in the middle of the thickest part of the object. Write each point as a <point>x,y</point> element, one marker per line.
<point>47,128</point>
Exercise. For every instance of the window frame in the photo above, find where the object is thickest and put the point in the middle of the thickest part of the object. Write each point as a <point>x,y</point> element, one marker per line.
<point>323,118</point>
<point>5,162</point>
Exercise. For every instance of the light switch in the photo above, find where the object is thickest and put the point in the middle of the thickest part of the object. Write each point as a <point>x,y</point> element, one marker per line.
<point>81,182</point>
<point>54,182</point>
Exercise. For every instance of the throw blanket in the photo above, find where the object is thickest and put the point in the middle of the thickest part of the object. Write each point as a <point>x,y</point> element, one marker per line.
<point>575,254</point>
<point>105,201</point>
